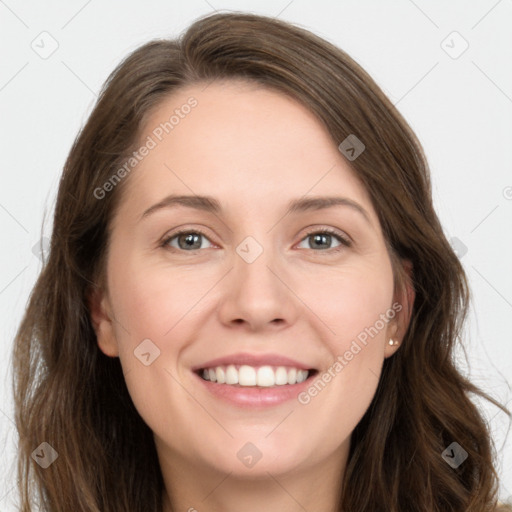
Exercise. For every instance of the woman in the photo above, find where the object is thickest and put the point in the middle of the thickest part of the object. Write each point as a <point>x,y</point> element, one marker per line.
<point>192,344</point>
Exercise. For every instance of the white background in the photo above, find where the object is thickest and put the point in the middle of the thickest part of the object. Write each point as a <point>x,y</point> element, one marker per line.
<point>460,108</point>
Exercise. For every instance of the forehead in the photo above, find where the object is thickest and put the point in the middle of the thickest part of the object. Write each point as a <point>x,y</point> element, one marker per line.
<point>246,144</point>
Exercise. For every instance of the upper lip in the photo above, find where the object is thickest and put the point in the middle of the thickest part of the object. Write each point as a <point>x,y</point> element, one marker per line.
<point>253,360</point>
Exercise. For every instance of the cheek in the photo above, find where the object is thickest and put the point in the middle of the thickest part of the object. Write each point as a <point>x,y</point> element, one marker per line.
<point>153,301</point>
<point>353,304</point>
<point>351,301</point>
<point>157,311</point>
<point>153,309</point>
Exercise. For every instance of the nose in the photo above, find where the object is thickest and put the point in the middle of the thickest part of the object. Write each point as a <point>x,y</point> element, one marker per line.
<point>258,295</point>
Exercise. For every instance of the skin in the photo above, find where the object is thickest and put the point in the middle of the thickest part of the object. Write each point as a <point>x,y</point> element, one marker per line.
<point>253,150</point>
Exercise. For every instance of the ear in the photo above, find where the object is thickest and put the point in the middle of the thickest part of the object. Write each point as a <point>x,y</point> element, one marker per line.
<point>404,302</point>
<point>102,321</point>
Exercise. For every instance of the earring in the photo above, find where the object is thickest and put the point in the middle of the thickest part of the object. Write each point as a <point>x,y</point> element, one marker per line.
<point>393,342</point>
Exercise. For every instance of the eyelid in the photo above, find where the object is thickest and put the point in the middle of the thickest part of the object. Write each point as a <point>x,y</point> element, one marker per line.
<point>331,231</point>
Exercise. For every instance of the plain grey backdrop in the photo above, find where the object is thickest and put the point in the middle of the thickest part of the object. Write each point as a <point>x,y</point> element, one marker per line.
<point>445,65</point>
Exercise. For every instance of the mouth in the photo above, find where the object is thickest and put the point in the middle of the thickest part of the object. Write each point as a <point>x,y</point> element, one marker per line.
<point>253,381</point>
<point>246,376</point>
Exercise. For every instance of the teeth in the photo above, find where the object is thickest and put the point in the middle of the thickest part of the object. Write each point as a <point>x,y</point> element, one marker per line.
<point>263,376</point>
<point>301,377</point>
<point>247,376</point>
<point>231,375</point>
<point>220,375</point>
<point>281,376</point>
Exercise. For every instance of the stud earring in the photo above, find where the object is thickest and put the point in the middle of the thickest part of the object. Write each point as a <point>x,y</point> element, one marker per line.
<point>393,342</point>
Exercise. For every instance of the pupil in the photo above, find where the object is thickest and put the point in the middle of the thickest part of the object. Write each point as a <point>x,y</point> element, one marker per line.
<point>190,239</point>
<point>321,237</point>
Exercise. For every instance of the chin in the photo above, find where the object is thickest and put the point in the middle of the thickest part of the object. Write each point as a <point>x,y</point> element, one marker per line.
<point>255,458</point>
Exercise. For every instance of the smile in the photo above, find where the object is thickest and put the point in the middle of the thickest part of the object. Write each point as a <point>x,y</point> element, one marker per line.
<point>261,376</point>
<point>253,381</point>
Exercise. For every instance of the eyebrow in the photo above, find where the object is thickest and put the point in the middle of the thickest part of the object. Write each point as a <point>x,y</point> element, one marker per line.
<point>211,205</point>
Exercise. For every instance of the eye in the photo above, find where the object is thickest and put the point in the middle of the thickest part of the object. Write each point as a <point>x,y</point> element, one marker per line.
<point>186,240</point>
<point>192,240</point>
<point>322,240</point>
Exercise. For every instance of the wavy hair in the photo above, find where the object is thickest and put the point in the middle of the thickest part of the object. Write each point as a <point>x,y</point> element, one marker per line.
<point>72,396</point>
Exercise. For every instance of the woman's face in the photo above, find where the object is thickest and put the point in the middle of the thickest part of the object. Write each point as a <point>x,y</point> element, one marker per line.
<point>254,290</point>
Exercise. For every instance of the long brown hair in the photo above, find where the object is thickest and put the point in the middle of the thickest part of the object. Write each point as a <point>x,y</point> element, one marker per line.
<point>73,397</point>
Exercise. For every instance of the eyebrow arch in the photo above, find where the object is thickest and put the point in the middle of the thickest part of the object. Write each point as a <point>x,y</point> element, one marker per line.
<point>205,203</point>
<point>324,202</point>
<point>210,204</point>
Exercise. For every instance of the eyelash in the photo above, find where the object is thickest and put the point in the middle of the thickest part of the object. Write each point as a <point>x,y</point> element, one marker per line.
<point>345,242</point>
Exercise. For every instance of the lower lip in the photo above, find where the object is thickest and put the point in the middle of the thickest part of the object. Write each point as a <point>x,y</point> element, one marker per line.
<point>255,397</point>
